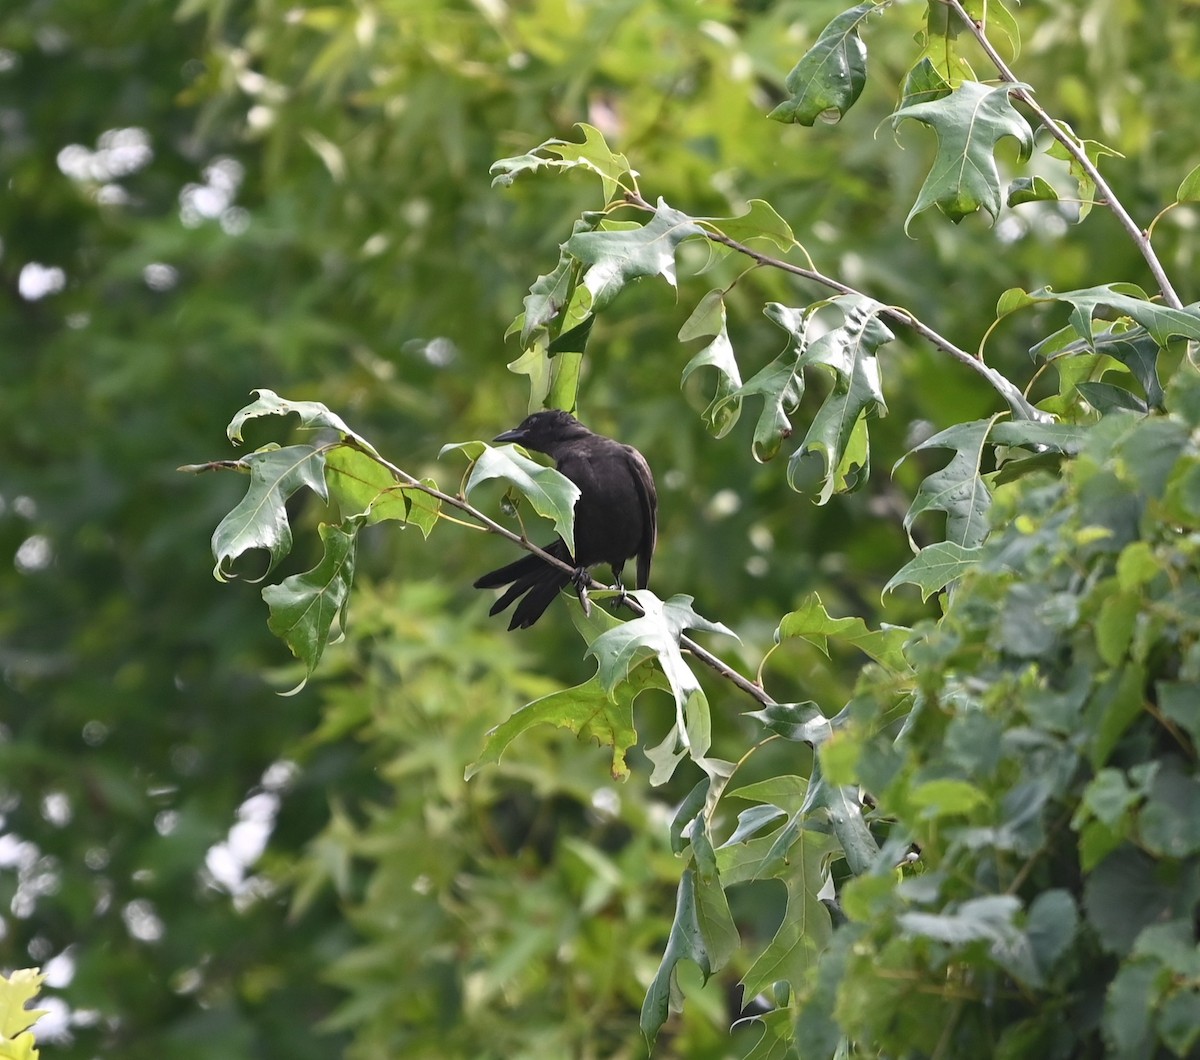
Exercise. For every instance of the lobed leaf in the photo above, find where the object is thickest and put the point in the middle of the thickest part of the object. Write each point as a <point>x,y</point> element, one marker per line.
<point>838,432</point>
<point>780,384</point>
<point>969,123</point>
<point>616,256</point>
<point>958,489</point>
<point>260,519</point>
<point>708,321</point>
<point>811,622</point>
<point>588,710</point>
<point>551,493</point>
<point>934,567</point>
<point>303,607</point>
<point>593,154</point>
<point>656,634</point>
<point>363,486</point>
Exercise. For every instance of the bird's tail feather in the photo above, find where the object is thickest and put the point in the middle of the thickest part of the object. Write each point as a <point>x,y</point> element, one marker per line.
<point>531,578</point>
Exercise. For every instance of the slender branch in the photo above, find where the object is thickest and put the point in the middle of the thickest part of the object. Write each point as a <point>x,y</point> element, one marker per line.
<point>703,654</point>
<point>1004,387</point>
<point>1077,152</point>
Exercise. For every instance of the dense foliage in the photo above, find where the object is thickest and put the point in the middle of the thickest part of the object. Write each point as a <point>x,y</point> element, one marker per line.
<point>963,816</point>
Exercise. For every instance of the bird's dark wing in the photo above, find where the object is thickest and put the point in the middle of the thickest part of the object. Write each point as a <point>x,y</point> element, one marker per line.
<point>648,496</point>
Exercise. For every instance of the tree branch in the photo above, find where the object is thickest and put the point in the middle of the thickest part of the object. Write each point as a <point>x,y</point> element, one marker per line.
<point>1017,401</point>
<point>1077,152</point>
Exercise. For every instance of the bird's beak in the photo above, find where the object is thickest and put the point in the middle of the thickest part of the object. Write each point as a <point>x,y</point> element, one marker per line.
<point>515,435</point>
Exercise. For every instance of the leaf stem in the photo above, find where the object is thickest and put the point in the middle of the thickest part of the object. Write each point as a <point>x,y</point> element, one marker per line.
<point>1077,152</point>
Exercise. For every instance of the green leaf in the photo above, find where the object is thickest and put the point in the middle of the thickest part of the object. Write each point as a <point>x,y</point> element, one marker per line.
<point>786,791</point>
<point>1125,299</point>
<point>924,83</point>
<point>1114,626</point>
<point>17,990</point>
<point>303,607</point>
<point>934,567</point>
<point>556,297</point>
<point>551,493</point>
<point>1065,438</point>
<point>760,221</point>
<point>799,722</point>
<point>618,256</point>
<point>988,919</point>
<point>1094,150</point>
<point>1116,705</point>
<point>958,489</point>
<point>1189,187</point>
<point>1169,823</point>
<point>1107,397</point>
<point>361,485</point>
<point>1125,894</point>
<point>702,932</point>
<point>1030,189</point>
<point>806,929</point>
<point>593,154</point>
<point>708,321</point>
<point>946,798</point>
<point>1051,926</point>
<point>969,123</point>
<point>993,17</point>
<point>588,710</point>
<point>841,804</point>
<point>553,378</point>
<point>838,434</point>
<point>656,634</point>
<point>313,415</point>
<point>811,622</point>
<point>260,519</point>
<point>830,76</point>
<point>1177,700</point>
<point>1107,797</point>
<point>779,384</point>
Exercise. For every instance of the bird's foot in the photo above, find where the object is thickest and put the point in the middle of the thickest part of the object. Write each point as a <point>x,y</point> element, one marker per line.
<point>623,598</point>
<point>580,580</point>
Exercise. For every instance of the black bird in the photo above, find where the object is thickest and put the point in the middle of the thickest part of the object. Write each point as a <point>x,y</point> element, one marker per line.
<point>616,515</point>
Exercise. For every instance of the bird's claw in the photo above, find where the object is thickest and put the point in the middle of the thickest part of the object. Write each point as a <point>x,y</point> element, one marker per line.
<point>580,579</point>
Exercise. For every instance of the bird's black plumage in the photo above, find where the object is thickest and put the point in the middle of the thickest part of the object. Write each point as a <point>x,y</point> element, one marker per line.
<point>616,515</point>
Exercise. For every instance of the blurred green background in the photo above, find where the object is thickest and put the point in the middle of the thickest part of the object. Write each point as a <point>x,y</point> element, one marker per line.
<point>205,197</point>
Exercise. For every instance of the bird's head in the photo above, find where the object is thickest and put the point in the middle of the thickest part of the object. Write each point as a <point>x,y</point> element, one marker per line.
<point>543,431</point>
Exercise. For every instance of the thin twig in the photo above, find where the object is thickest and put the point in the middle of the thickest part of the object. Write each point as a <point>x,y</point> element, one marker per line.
<point>1077,152</point>
<point>1006,389</point>
<point>703,654</point>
